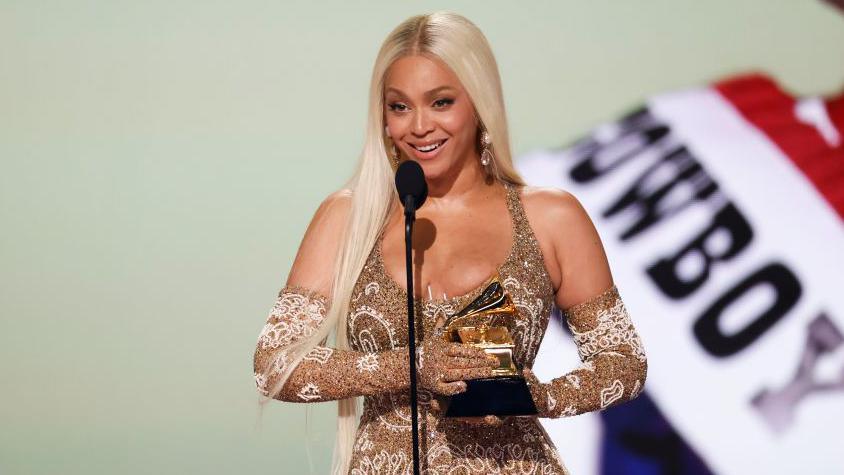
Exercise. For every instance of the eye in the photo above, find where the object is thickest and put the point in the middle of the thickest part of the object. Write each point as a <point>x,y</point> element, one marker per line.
<point>397,107</point>
<point>444,102</point>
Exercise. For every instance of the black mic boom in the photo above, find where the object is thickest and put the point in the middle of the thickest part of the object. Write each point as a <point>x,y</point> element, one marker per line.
<point>412,188</point>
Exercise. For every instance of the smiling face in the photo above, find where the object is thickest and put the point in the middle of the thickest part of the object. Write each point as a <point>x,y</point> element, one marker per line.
<point>425,106</point>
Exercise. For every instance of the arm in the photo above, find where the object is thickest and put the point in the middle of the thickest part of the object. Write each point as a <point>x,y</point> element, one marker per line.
<point>323,373</point>
<point>614,365</point>
<point>326,373</point>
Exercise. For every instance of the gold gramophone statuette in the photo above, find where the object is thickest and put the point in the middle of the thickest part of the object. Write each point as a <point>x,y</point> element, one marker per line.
<point>487,323</point>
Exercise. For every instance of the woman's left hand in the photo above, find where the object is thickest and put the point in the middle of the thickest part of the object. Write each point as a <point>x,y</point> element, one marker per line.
<point>492,421</point>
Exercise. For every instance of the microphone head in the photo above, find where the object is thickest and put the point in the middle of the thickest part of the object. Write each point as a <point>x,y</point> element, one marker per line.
<point>410,180</point>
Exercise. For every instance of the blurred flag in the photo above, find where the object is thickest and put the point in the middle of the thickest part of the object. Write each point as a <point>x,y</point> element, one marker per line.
<point>722,212</point>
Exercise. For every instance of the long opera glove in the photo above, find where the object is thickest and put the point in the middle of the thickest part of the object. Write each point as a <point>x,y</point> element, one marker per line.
<point>325,373</point>
<point>614,365</point>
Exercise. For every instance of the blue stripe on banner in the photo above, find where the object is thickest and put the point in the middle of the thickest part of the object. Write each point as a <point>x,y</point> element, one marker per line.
<point>639,440</point>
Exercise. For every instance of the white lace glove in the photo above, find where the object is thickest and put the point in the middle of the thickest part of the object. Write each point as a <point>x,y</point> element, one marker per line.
<point>614,364</point>
<point>325,373</point>
<point>442,367</point>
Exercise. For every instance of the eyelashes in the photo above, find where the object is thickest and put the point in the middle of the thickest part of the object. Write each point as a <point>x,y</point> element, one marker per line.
<point>399,107</point>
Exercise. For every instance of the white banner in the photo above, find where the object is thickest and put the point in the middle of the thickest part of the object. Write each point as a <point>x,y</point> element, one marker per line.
<point>718,215</point>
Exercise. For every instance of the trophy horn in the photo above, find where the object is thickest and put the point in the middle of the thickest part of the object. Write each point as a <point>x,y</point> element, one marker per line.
<point>493,302</point>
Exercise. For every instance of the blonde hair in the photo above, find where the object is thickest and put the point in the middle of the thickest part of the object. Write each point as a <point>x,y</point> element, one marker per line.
<point>459,44</point>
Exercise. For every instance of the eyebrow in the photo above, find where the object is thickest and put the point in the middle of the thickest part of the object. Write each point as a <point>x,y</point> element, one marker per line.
<point>429,93</point>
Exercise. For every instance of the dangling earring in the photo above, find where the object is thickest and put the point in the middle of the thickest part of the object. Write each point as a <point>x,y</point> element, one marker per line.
<point>394,152</point>
<point>486,154</point>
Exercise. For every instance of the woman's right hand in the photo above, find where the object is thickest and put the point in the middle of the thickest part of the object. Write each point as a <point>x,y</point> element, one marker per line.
<point>443,367</point>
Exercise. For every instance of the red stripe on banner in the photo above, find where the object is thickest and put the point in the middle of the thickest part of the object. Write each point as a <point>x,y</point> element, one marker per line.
<point>762,103</point>
<point>835,109</point>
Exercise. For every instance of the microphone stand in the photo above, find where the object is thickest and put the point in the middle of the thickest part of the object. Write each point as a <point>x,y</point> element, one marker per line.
<point>409,217</point>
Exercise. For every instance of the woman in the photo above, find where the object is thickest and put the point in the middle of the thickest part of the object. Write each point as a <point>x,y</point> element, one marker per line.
<point>436,98</point>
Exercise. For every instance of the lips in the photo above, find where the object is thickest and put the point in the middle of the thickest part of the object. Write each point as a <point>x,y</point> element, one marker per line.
<point>423,155</point>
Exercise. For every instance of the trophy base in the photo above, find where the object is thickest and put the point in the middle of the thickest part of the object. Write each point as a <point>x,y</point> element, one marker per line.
<point>497,396</point>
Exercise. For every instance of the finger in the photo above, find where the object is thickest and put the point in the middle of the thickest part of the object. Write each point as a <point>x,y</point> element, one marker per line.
<point>466,373</point>
<point>450,389</point>
<point>490,420</point>
<point>459,349</point>
<point>493,420</point>
<point>527,373</point>
<point>534,386</point>
<point>457,362</point>
<point>472,420</point>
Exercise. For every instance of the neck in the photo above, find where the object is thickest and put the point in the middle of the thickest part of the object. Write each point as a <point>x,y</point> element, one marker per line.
<point>465,183</point>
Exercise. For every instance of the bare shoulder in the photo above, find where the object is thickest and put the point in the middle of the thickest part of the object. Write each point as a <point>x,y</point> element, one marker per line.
<point>574,253</point>
<point>547,202</point>
<point>334,209</point>
<point>546,208</point>
<point>555,215</point>
<point>313,266</point>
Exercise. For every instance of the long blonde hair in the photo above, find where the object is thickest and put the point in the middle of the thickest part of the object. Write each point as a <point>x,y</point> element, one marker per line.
<point>463,47</point>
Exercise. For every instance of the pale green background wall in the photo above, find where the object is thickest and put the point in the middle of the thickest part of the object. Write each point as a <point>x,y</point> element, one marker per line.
<point>160,160</point>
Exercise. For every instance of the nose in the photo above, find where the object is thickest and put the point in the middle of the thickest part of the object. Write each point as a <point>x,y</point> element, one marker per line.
<point>421,123</point>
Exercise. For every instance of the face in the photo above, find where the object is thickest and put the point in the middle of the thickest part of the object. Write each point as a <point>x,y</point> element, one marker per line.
<point>425,105</point>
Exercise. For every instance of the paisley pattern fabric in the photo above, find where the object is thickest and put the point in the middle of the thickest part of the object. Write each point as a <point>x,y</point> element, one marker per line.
<point>324,373</point>
<point>613,367</point>
<point>614,363</point>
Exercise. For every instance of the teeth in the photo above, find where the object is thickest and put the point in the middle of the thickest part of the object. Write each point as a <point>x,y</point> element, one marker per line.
<point>428,148</point>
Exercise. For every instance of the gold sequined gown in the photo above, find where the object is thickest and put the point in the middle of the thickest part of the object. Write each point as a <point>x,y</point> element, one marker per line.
<point>451,447</point>
<point>612,369</point>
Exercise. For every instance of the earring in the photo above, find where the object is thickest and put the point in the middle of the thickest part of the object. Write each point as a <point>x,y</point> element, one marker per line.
<point>486,154</point>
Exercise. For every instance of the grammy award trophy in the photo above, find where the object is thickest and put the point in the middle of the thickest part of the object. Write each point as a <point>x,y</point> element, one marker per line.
<point>488,323</point>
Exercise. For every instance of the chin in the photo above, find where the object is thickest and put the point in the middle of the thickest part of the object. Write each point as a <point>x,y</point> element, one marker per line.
<point>433,169</point>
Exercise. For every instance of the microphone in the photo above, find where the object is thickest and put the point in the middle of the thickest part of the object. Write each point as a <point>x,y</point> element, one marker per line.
<point>411,185</point>
<point>412,189</point>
